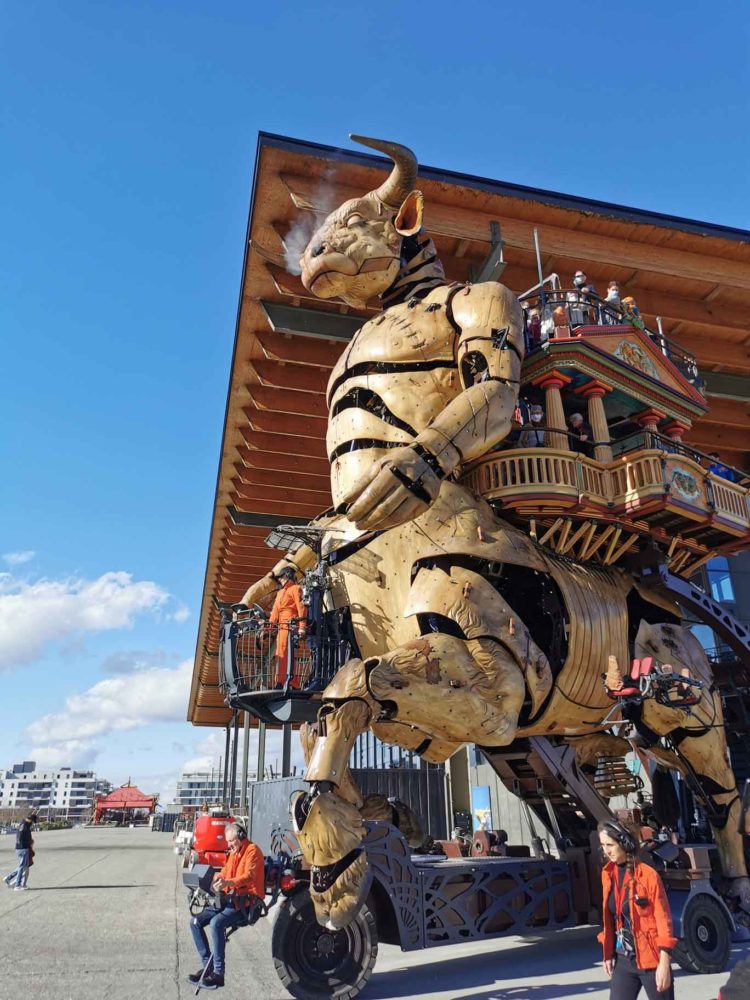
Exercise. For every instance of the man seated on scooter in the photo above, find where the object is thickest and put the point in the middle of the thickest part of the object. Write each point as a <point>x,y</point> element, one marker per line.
<point>240,887</point>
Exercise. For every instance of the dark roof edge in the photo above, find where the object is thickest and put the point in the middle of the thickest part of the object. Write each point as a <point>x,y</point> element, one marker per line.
<point>520,191</point>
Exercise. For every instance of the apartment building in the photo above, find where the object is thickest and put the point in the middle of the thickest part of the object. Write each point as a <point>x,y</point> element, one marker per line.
<point>55,793</point>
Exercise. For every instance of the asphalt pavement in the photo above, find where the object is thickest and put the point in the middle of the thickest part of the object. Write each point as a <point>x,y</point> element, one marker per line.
<point>105,918</point>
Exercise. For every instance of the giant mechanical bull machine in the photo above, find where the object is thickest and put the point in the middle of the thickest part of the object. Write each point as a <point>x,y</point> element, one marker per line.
<point>468,629</point>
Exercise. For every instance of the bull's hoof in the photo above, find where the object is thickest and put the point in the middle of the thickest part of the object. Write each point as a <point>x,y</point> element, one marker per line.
<point>338,904</point>
<point>330,833</point>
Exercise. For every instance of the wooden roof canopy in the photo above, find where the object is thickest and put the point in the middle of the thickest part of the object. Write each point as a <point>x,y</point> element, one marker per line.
<point>273,467</point>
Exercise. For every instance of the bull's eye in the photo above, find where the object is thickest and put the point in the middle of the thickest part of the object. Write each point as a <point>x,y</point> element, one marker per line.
<point>353,220</point>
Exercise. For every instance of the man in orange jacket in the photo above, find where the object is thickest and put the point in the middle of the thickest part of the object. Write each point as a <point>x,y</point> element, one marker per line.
<point>242,883</point>
<point>287,606</point>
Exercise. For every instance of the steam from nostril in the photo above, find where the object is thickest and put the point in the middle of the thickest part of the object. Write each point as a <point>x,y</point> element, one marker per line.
<point>305,225</point>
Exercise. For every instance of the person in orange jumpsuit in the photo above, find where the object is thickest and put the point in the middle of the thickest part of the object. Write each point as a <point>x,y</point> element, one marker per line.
<point>288,605</point>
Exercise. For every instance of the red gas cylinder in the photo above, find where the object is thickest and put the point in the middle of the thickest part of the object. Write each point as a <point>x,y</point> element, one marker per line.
<point>209,844</point>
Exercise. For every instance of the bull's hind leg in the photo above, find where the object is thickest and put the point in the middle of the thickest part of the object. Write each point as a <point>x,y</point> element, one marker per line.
<point>699,740</point>
<point>438,692</point>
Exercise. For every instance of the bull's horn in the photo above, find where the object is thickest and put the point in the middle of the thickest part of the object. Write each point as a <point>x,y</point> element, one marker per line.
<point>401,179</point>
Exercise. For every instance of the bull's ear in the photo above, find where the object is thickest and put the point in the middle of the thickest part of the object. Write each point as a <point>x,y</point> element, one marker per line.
<point>409,218</point>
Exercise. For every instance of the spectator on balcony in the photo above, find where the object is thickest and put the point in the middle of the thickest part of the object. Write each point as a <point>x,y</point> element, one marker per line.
<point>533,330</point>
<point>287,606</point>
<point>633,313</point>
<point>532,433</point>
<point>614,302</point>
<point>580,301</point>
<point>718,468</point>
<point>581,435</point>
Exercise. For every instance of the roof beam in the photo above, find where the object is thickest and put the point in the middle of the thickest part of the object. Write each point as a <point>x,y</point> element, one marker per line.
<point>301,378</point>
<point>310,351</point>
<point>286,423</point>
<point>312,322</point>
<point>291,480</point>
<point>285,444</point>
<point>316,467</point>
<point>467,223</point>
<point>254,519</point>
<point>307,404</point>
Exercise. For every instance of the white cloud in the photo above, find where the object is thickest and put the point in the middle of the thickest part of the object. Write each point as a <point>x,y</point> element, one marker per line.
<point>116,704</point>
<point>17,558</point>
<point>33,614</point>
<point>181,614</point>
<point>69,753</point>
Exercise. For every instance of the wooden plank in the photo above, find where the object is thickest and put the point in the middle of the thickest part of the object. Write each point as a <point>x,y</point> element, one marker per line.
<point>562,549</point>
<point>286,423</point>
<point>292,480</point>
<point>302,378</point>
<point>467,223</point>
<point>550,531</point>
<point>289,508</point>
<point>563,537</point>
<point>284,444</point>
<point>587,540</point>
<point>282,463</point>
<point>305,403</point>
<point>300,350</point>
<point>626,545</point>
<point>599,541</point>
<point>716,438</point>
<point>278,492</point>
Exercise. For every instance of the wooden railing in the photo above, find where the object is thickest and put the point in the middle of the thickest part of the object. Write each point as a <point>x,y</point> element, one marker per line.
<point>633,481</point>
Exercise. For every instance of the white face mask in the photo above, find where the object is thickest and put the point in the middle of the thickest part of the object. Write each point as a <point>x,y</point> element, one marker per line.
<point>536,417</point>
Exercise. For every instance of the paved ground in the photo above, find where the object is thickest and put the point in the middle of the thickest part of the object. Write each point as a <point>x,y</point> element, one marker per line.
<point>105,919</point>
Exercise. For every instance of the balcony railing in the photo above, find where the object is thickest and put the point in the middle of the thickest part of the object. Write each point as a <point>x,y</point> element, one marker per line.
<point>635,485</point>
<point>587,309</point>
<point>249,663</point>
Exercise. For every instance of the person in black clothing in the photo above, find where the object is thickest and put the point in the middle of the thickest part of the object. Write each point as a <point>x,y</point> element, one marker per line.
<point>24,851</point>
<point>581,435</point>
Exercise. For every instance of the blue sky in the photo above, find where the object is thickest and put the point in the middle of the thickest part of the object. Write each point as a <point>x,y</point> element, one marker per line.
<point>127,138</point>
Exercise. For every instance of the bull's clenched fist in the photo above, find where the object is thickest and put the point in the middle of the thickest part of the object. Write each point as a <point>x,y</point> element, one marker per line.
<point>403,485</point>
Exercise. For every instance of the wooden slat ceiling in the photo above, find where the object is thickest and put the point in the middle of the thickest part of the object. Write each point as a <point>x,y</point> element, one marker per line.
<point>273,463</point>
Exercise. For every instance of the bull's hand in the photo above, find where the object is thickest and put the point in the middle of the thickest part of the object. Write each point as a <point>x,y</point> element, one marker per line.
<point>260,589</point>
<point>403,485</point>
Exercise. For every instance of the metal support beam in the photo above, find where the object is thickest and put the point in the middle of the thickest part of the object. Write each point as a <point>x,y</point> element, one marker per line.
<point>261,765</point>
<point>245,760</point>
<point>251,519</point>
<point>311,322</point>
<point>226,767</point>
<point>726,386</point>
<point>494,264</point>
<point>233,771</point>
<point>286,750</point>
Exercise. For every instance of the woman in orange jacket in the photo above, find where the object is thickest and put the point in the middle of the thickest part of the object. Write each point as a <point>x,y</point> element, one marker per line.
<point>288,605</point>
<point>637,937</point>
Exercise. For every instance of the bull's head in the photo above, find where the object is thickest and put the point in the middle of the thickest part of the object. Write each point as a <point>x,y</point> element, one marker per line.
<point>356,252</point>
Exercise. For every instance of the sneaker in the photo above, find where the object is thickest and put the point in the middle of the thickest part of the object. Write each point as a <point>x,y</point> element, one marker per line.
<point>196,976</point>
<point>19,888</point>
<point>212,981</point>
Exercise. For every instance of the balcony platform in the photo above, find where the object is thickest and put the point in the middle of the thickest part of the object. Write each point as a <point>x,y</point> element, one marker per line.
<point>590,510</point>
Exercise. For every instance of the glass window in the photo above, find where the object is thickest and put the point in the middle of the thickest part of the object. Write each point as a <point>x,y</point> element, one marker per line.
<point>705,636</point>
<point>720,580</point>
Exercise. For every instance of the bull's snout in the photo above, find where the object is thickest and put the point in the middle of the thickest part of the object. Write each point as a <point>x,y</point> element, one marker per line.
<point>317,249</point>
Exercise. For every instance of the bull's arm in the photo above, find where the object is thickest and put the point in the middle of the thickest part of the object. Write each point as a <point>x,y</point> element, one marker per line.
<point>303,559</point>
<point>490,353</point>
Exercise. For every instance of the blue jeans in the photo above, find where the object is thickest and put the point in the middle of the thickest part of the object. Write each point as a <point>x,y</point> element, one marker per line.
<point>218,923</point>
<point>21,872</point>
